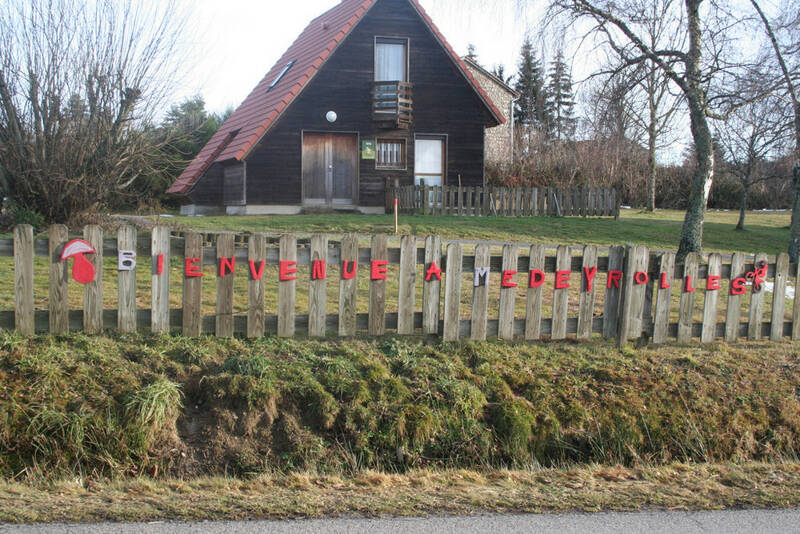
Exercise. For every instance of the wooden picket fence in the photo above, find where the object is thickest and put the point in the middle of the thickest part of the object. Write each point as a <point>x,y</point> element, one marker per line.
<point>504,201</point>
<point>634,304</point>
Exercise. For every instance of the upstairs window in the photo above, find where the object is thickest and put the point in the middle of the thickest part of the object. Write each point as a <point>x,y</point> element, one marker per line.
<point>391,60</point>
<point>280,75</point>
<point>390,154</point>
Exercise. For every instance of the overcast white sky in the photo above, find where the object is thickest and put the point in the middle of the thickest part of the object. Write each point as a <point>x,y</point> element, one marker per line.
<point>239,40</point>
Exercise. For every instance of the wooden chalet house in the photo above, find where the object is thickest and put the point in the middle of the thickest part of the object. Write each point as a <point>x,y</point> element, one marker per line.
<point>369,92</point>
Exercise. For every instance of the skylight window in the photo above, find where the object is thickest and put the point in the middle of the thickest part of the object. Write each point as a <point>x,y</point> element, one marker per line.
<point>281,75</point>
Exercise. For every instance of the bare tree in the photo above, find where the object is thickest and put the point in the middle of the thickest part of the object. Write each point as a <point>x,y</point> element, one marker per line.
<point>751,139</point>
<point>80,81</point>
<point>785,50</point>
<point>621,25</point>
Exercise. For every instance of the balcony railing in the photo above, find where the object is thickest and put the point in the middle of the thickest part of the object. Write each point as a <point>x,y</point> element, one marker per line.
<point>392,104</point>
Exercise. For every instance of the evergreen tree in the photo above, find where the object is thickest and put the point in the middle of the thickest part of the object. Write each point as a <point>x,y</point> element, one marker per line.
<point>530,108</point>
<point>500,72</point>
<point>560,101</point>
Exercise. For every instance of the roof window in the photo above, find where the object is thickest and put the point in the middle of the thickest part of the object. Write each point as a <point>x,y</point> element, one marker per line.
<point>281,75</point>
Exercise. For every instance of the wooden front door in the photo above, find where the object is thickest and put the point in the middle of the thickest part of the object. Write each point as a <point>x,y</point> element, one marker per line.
<point>330,169</point>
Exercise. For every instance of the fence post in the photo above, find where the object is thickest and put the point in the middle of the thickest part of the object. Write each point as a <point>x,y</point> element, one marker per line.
<point>616,258</point>
<point>586,306</point>
<point>779,296</point>
<point>408,279</point>
<point>224,310</point>
<point>756,305</point>
<point>348,285</point>
<point>23,279</point>
<point>734,310</point>
<point>59,279</point>
<point>159,313</point>
<point>666,272</point>
<point>508,293</point>
<point>126,281</point>
<point>626,298</point>
<point>561,295</point>
<point>709,331</point>
<point>796,306</point>
<point>192,285</point>
<point>377,288</point>
<point>480,293</point>
<point>256,257</point>
<point>688,291</point>
<point>286,288</point>
<point>317,291</point>
<point>451,330</point>
<point>93,291</point>
<point>533,298</point>
<point>431,286</point>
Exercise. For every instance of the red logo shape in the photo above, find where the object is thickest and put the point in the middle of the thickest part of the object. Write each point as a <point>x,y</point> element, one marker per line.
<point>82,269</point>
<point>758,275</point>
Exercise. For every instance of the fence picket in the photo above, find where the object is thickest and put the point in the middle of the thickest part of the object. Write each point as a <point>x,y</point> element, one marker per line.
<point>126,281</point>
<point>408,279</point>
<point>224,306</point>
<point>23,279</point>
<point>734,310</point>
<point>688,292</point>
<point>779,297</point>
<point>561,295</point>
<point>256,298</point>
<point>586,305</point>
<point>633,293</point>
<point>451,328</point>
<point>756,305</point>
<point>159,308</point>
<point>348,286</point>
<point>533,297</point>
<point>93,291</point>
<point>431,285</point>
<point>796,306</point>
<point>377,287</point>
<point>192,285</point>
<point>508,293</point>
<point>709,331</point>
<point>58,302</point>
<point>480,294</point>
<point>616,258</point>
<point>666,272</point>
<point>286,287</point>
<point>317,291</point>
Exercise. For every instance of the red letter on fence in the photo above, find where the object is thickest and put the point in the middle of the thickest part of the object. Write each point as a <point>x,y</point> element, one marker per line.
<point>665,281</point>
<point>433,270</point>
<point>158,268</point>
<point>641,277</point>
<point>351,273</point>
<point>562,279</point>
<point>590,274</point>
<point>508,279</point>
<point>256,274</point>
<point>318,270</point>
<point>613,278</point>
<point>688,285</point>
<point>191,268</point>
<point>737,286</point>
<point>712,282</point>
<point>226,265</point>
<point>536,278</point>
<point>287,271</point>
<point>378,271</point>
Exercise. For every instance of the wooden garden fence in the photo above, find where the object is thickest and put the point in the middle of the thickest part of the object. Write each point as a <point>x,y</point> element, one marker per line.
<point>509,291</point>
<point>504,201</point>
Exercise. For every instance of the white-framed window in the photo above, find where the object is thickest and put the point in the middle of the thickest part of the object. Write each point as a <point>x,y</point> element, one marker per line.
<point>390,154</point>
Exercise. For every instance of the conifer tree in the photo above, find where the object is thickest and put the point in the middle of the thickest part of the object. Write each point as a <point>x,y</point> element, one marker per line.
<point>530,108</point>
<point>560,101</point>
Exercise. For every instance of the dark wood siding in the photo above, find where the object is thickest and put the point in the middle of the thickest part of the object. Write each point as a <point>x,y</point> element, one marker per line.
<point>208,189</point>
<point>444,104</point>
<point>234,184</point>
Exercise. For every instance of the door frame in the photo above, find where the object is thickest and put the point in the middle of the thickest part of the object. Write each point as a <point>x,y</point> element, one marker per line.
<point>432,136</point>
<point>357,185</point>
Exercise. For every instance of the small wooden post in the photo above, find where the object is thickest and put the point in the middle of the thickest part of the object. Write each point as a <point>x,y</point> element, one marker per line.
<point>23,279</point>
<point>93,291</point>
<point>561,296</point>
<point>688,292</point>
<point>192,285</point>
<point>159,314</point>
<point>317,292</point>
<point>796,306</point>
<point>533,299</point>
<point>666,271</point>
<point>431,288</point>
<point>508,295</point>
<point>408,279</point>
<point>59,278</point>
<point>616,259</point>
<point>256,257</point>
<point>126,281</point>
<point>377,288</point>
<point>286,288</point>
<point>452,293</point>
<point>348,286</point>
<point>709,331</point>
<point>756,305</point>
<point>480,294</point>
<point>224,311</point>
<point>586,306</point>
<point>779,296</point>
<point>733,312</point>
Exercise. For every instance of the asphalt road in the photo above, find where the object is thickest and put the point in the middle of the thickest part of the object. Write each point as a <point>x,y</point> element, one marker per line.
<point>749,521</point>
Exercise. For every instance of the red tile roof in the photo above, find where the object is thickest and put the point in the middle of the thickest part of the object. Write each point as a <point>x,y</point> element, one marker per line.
<point>251,120</point>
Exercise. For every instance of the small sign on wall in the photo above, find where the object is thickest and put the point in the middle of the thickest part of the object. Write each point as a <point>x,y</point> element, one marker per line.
<point>367,149</point>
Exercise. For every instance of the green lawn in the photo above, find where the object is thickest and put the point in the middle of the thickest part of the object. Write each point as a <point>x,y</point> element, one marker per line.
<point>766,231</point>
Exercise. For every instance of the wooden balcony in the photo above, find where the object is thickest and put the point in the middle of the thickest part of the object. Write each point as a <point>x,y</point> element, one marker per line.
<point>392,104</point>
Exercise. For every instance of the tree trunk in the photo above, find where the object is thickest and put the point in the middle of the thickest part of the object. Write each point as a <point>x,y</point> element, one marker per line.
<point>794,237</point>
<point>742,208</point>
<point>651,143</point>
